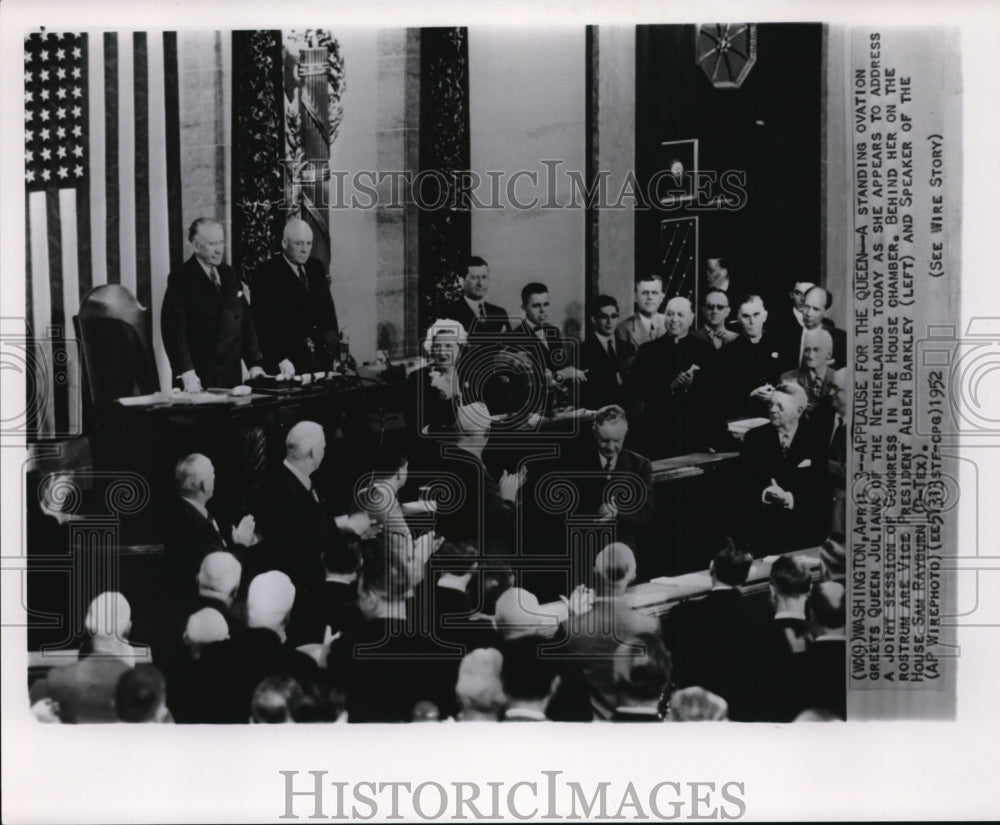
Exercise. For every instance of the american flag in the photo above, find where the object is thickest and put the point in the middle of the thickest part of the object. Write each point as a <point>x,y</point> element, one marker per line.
<point>102,181</point>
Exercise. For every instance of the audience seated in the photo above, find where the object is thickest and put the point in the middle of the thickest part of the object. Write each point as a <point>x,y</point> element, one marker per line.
<point>641,672</point>
<point>716,640</point>
<point>354,609</point>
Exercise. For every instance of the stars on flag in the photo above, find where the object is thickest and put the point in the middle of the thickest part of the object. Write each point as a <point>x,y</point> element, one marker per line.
<point>54,86</point>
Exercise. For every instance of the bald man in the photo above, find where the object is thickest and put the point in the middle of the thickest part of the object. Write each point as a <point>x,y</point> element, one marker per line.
<point>299,526</point>
<point>205,322</point>
<point>666,388</point>
<point>293,309</point>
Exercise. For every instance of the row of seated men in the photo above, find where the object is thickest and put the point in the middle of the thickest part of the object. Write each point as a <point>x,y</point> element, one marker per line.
<point>459,642</point>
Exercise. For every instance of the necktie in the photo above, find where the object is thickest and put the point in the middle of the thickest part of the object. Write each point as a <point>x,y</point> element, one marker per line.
<point>314,494</point>
<point>214,275</point>
<point>817,386</point>
<point>302,276</point>
<point>482,312</point>
<point>607,466</point>
<point>611,347</point>
<point>652,331</point>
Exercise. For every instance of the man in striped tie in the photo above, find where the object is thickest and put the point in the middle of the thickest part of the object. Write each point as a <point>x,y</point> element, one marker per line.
<point>206,323</point>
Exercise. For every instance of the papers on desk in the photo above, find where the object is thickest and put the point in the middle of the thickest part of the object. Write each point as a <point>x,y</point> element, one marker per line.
<point>179,398</point>
<point>418,508</point>
<point>741,426</point>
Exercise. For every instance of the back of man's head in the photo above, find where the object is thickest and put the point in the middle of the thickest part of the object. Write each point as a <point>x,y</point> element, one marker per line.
<point>527,676</point>
<point>109,615</point>
<point>642,670</point>
<point>219,576</point>
<point>789,577</point>
<point>269,600</point>
<point>479,689</point>
<point>205,627</point>
<point>731,564</point>
<point>276,700</point>
<point>473,419</point>
<point>826,605</point>
<point>303,439</point>
<point>456,556</point>
<point>615,567</point>
<point>141,695</point>
<point>191,474</point>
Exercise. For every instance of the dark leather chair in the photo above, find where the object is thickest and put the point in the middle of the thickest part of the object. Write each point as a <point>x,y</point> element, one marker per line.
<point>114,334</point>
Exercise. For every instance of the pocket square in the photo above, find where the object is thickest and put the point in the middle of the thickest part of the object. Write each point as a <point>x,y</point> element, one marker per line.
<point>807,462</point>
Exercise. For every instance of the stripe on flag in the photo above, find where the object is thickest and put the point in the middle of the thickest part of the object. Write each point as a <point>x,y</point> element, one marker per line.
<point>101,135</point>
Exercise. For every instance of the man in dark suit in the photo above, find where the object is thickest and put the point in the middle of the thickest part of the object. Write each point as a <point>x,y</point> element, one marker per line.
<point>825,662</point>
<point>815,375</point>
<point>785,639</point>
<point>606,475</point>
<point>716,640</point>
<point>837,433</point>
<point>472,310</point>
<point>715,311</point>
<point>206,323</point>
<point>784,468</point>
<point>665,389</point>
<point>193,531</point>
<point>486,508</point>
<point>747,365</point>
<point>605,359</point>
<point>293,310</point>
<point>298,528</point>
<point>544,338</point>
<point>816,304</point>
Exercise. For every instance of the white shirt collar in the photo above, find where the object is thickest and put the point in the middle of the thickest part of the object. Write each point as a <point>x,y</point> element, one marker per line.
<point>304,480</point>
<point>604,338</point>
<point>474,305</point>
<point>798,315</point>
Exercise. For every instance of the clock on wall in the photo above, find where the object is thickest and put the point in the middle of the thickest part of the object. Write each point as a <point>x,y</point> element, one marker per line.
<point>726,52</point>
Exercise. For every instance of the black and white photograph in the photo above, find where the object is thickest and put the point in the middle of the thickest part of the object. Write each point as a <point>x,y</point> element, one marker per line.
<point>384,373</point>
